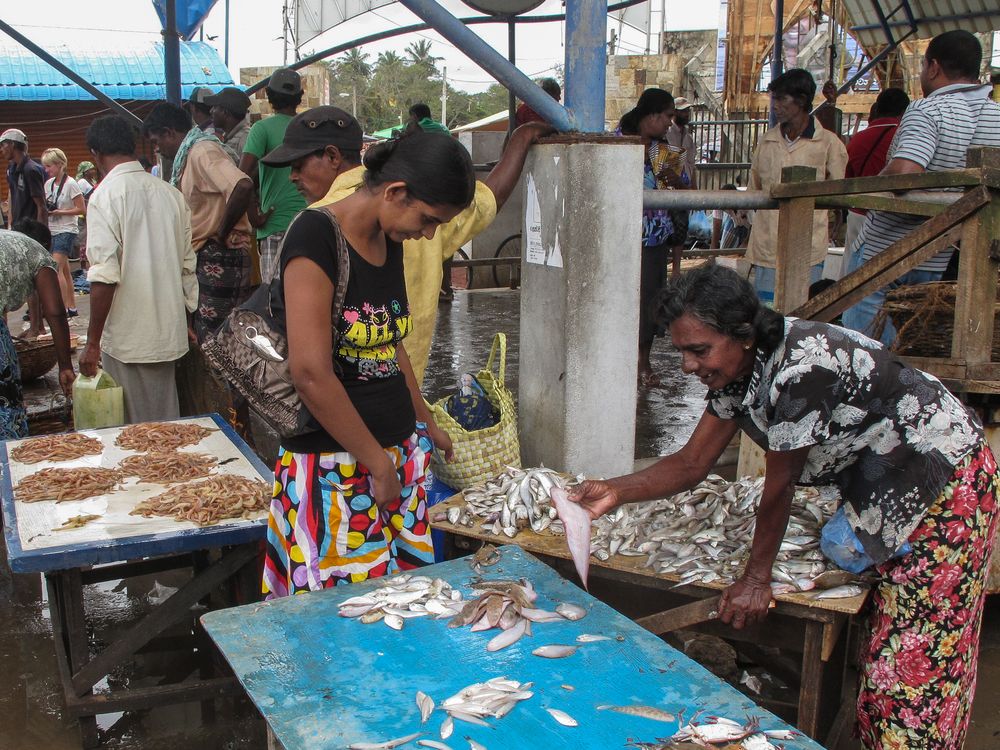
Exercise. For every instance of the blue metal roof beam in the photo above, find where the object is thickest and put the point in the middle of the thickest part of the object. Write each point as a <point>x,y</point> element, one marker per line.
<point>936,19</point>
<point>495,64</point>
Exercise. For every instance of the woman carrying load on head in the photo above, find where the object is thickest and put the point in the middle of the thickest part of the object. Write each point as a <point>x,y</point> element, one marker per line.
<point>831,406</point>
<point>349,499</point>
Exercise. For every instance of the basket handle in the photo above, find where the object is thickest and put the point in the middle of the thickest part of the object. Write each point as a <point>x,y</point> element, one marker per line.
<point>499,341</point>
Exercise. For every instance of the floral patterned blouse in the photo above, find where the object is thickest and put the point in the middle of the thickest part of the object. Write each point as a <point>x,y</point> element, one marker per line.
<point>887,434</point>
<point>21,258</point>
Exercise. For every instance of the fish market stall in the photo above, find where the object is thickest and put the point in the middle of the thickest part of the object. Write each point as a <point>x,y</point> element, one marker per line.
<point>586,676</point>
<point>101,505</point>
<point>687,549</point>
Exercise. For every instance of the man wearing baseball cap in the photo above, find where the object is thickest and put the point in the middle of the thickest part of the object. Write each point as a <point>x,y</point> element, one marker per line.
<point>323,147</point>
<point>200,112</point>
<point>25,179</point>
<point>229,115</point>
<point>277,200</point>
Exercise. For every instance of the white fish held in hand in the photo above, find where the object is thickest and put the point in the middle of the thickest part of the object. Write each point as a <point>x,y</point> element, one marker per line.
<point>576,521</point>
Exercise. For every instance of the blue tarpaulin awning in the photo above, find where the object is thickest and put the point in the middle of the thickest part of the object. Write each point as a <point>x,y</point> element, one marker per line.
<point>123,74</point>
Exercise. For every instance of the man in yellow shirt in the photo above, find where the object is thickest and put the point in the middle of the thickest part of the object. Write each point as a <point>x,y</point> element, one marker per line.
<point>323,145</point>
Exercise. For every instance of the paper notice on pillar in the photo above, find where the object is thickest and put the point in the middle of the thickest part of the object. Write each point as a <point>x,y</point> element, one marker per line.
<point>537,250</point>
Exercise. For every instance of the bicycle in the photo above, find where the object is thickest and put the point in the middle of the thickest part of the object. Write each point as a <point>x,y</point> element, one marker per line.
<point>508,274</point>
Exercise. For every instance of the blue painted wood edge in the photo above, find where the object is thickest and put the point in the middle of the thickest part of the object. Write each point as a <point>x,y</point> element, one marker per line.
<point>69,556</point>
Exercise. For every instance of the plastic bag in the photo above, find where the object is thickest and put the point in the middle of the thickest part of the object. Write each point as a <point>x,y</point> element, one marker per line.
<point>843,548</point>
<point>97,402</point>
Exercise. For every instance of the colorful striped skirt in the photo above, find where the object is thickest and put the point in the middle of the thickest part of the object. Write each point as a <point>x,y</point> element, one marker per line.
<point>325,529</point>
<point>918,668</point>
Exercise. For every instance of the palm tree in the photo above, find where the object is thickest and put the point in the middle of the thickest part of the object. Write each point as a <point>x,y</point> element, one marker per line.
<point>354,65</point>
<point>389,62</point>
<point>420,55</point>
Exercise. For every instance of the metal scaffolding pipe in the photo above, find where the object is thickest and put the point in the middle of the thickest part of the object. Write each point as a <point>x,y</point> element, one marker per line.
<point>80,81</point>
<point>699,200</point>
<point>172,54</point>
<point>586,61</point>
<point>492,62</point>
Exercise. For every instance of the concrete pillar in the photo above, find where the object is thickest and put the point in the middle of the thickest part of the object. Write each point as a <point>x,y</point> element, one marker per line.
<point>580,306</point>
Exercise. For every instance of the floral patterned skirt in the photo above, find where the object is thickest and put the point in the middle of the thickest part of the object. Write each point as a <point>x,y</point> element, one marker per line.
<point>13,418</point>
<point>918,669</point>
<point>325,529</point>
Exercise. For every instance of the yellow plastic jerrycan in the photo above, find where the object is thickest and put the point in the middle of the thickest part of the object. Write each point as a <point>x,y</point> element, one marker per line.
<point>97,402</point>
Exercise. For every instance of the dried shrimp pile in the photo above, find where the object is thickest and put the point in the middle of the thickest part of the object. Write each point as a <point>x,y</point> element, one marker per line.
<point>208,501</point>
<point>161,436</point>
<point>66,484</point>
<point>57,448</point>
<point>165,467</point>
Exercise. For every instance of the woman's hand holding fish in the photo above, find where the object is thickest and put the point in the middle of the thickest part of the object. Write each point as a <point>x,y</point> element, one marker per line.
<point>745,602</point>
<point>597,498</point>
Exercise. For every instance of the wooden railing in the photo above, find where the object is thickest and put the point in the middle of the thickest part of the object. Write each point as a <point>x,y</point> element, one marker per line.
<point>974,216</point>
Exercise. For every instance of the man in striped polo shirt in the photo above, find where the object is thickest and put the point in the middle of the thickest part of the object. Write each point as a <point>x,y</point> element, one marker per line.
<point>935,134</point>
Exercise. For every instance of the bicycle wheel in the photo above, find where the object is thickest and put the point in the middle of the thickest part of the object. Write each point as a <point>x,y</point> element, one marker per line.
<point>508,274</point>
<point>461,276</point>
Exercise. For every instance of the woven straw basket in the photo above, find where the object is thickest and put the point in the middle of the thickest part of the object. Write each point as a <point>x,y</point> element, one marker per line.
<point>924,316</point>
<point>481,454</point>
<point>36,357</point>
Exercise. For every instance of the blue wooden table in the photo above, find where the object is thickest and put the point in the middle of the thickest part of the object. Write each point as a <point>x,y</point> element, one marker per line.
<point>132,546</point>
<point>322,681</point>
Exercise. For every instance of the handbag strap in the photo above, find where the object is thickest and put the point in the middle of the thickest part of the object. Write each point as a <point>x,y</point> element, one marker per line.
<point>499,343</point>
<point>343,269</point>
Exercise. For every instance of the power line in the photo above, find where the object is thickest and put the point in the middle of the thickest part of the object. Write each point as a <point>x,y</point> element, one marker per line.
<point>84,28</point>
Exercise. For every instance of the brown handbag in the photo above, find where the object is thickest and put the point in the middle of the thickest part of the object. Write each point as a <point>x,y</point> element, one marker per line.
<point>250,348</point>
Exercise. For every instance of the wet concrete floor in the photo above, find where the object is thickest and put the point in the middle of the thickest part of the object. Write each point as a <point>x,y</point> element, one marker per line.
<point>32,716</point>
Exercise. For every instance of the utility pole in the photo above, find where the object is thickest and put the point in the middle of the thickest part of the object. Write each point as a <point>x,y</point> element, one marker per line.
<point>444,95</point>
<point>354,99</point>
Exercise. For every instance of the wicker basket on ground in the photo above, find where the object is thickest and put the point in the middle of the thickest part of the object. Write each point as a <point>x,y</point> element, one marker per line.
<point>35,356</point>
<point>924,316</point>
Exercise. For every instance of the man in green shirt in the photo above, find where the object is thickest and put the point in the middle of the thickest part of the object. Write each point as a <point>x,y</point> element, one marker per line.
<point>279,200</point>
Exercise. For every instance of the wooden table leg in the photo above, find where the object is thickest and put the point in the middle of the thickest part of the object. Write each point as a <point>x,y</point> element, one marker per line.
<point>75,623</point>
<point>810,688</point>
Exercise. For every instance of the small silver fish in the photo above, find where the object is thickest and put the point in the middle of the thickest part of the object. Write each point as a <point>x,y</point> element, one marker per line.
<point>563,718</point>
<point>646,712</point>
<point>387,745</point>
<point>555,651</point>
<point>842,592</point>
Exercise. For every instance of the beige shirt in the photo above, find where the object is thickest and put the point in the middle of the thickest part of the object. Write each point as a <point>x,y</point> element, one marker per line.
<point>207,182</point>
<point>826,153</point>
<point>139,238</point>
<point>422,260</point>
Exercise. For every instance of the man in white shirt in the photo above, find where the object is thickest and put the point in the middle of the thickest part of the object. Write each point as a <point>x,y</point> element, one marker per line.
<point>142,276</point>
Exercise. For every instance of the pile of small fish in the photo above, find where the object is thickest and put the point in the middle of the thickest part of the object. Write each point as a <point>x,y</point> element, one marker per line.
<point>516,499</point>
<point>704,535</point>
<point>509,606</point>
<point>402,597</point>
<point>718,731</point>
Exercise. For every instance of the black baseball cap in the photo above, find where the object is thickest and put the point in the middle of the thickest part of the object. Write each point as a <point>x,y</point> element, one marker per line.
<point>314,130</point>
<point>285,81</point>
<point>230,98</point>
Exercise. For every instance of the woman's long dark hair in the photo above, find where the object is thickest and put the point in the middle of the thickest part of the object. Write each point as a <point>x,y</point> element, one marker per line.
<point>724,301</point>
<point>435,167</point>
<point>651,102</point>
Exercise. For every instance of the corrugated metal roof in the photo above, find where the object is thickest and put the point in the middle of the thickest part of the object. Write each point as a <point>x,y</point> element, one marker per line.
<point>932,17</point>
<point>121,74</point>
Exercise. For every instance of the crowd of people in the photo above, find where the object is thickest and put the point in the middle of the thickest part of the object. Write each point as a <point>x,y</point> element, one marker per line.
<point>278,201</point>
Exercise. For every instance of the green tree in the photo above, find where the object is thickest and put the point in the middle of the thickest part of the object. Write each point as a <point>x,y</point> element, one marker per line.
<point>419,55</point>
